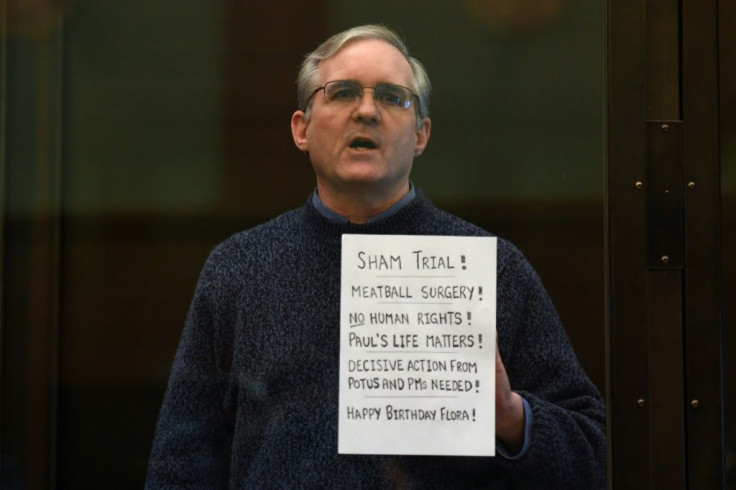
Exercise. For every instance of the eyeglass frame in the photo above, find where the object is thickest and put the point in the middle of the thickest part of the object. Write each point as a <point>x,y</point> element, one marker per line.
<point>362,89</point>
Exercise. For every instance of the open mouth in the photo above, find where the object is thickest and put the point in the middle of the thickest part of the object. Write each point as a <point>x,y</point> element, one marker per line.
<point>362,144</point>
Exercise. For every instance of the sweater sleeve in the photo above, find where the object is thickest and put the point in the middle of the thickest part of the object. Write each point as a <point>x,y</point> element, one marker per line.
<point>191,448</point>
<point>567,447</point>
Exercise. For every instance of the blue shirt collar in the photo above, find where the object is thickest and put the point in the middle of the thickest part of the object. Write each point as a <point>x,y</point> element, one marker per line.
<point>395,208</point>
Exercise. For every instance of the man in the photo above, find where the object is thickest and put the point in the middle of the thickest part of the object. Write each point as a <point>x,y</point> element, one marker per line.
<point>253,394</point>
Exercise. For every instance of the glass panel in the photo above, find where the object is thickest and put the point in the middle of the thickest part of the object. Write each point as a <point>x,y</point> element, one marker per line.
<point>177,136</point>
<point>143,170</point>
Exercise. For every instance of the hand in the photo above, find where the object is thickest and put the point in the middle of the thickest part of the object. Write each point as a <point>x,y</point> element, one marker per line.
<point>509,410</point>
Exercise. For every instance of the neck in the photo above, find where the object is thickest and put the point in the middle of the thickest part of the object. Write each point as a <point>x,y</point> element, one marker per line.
<point>360,206</point>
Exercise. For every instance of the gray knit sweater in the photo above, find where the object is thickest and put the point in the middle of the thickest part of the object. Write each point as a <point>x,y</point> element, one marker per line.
<point>253,393</point>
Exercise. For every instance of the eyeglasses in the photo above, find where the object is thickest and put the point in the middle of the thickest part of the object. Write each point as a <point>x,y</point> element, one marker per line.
<point>386,94</point>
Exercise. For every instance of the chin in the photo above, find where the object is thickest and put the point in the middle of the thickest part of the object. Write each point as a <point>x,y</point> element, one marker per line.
<point>362,175</point>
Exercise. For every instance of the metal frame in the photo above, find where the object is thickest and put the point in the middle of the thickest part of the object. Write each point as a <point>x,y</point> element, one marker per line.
<point>663,243</point>
<point>702,281</point>
<point>628,368</point>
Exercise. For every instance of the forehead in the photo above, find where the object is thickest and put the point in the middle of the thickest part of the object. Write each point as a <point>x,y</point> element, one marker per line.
<point>368,61</point>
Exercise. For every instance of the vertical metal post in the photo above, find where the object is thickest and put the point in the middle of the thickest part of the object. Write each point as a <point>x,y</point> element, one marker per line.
<point>627,363</point>
<point>664,303</point>
<point>702,239</point>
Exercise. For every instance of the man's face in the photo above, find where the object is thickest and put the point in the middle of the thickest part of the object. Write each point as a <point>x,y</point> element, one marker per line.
<point>362,147</point>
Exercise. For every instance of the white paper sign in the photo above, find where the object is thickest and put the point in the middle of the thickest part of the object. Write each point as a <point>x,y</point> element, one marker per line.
<point>417,345</point>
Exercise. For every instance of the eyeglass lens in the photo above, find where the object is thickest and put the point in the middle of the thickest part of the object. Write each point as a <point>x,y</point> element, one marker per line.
<point>386,94</point>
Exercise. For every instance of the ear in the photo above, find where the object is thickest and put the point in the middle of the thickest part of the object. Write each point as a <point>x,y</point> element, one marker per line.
<point>299,124</point>
<point>422,136</point>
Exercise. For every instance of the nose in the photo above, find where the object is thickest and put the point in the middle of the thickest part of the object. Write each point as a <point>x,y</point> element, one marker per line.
<point>367,109</point>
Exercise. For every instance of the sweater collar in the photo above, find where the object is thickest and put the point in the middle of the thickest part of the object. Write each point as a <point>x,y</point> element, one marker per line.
<point>402,222</point>
<point>337,218</point>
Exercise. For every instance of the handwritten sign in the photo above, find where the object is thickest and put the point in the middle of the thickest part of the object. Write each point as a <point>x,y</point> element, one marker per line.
<point>417,345</point>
